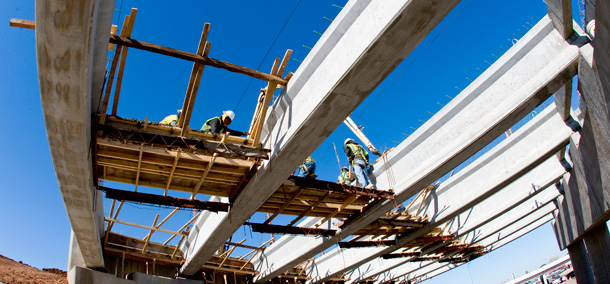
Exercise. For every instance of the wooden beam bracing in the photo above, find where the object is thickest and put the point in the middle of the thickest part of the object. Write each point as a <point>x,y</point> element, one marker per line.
<point>192,90</point>
<point>111,73</point>
<point>144,227</point>
<point>26,24</point>
<point>119,78</point>
<point>124,41</point>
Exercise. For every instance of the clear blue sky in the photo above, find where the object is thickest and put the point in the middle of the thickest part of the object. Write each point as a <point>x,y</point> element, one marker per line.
<point>34,223</point>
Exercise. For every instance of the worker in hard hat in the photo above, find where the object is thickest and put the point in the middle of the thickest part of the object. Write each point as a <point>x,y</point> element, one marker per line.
<point>359,159</point>
<point>307,169</point>
<point>346,177</point>
<point>219,125</point>
<point>172,120</point>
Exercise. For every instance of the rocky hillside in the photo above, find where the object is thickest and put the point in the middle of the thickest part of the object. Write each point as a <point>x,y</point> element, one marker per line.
<point>17,272</point>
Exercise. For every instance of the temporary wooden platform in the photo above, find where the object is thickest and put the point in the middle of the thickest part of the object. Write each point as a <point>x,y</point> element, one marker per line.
<point>316,198</point>
<point>135,152</point>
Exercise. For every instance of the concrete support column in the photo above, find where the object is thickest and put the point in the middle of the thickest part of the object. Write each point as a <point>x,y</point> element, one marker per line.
<point>580,263</point>
<point>597,241</point>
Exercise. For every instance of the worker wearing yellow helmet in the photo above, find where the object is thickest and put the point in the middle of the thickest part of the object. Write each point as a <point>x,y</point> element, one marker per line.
<point>359,159</point>
<point>219,125</point>
<point>172,120</point>
<point>307,169</point>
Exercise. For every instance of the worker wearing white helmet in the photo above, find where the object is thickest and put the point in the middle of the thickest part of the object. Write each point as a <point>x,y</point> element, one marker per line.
<point>218,125</point>
<point>359,158</point>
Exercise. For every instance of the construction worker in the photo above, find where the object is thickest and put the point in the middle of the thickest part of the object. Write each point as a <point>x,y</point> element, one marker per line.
<point>307,169</point>
<point>358,158</point>
<point>346,177</point>
<point>218,125</point>
<point>172,120</point>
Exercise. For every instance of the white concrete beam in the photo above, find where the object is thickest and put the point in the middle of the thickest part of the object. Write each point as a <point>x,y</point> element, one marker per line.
<point>534,143</point>
<point>526,75</point>
<point>515,84</point>
<point>361,47</point>
<point>504,237</point>
<point>71,38</point>
<point>473,226</point>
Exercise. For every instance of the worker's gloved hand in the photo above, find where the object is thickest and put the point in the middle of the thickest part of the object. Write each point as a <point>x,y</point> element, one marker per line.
<point>246,133</point>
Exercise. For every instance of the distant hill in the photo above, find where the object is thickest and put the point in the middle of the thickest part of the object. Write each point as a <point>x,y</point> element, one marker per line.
<point>13,272</point>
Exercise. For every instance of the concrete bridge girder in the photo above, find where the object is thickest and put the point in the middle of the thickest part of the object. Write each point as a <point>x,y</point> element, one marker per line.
<point>343,68</point>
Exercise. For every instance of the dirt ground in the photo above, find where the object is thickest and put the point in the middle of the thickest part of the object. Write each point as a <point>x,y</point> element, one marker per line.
<point>16,272</point>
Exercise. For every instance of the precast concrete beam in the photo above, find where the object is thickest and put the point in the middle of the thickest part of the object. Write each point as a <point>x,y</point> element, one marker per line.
<point>492,243</point>
<point>533,144</point>
<point>534,208</point>
<point>526,75</point>
<point>362,46</point>
<point>71,44</point>
<point>536,187</point>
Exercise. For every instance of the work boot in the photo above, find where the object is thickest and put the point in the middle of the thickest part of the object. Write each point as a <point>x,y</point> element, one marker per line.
<point>370,186</point>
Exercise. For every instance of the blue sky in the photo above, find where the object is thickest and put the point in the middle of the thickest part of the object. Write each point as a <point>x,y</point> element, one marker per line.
<point>35,226</point>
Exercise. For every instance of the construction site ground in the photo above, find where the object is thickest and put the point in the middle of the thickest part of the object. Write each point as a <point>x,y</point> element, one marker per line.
<point>15,272</point>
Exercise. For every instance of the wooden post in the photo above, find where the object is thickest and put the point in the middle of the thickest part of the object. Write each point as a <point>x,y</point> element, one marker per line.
<point>580,263</point>
<point>597,241</point>
<point>119,77</point>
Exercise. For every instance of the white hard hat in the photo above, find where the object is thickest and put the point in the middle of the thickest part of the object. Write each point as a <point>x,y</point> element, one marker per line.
<point>229,113</point>
<point>348,140</point>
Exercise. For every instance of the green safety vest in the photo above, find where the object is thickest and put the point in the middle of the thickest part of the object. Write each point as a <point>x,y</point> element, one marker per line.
<point>206,126</point>
<point>357,150</point>
<point>168,119</point>
<point>344,178</point>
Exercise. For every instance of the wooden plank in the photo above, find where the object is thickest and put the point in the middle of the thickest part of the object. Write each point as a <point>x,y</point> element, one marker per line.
<point>171,173</point>
<point>139,167</point>
<point>308,210</point>
<point>200,47</point>
<point>270,90</point>
<point>286,204</point>
<point>161,223</point>
<point>119,77</point>
<point>110,81</point>
<point>113,30</point>
<point>183,227</point>
<point>136,125</point>
<point>144,227</point>
<point>203,176</point>
<point>147,238</point>
<point>193,85</point>
<point>341,208</point>
<point>285,61</point>
<point>209,187</point>
<point>183,156</point>
<point>164,171</point>
<point>19,23</point>
<point>124,41</point>
<point>193,94</point>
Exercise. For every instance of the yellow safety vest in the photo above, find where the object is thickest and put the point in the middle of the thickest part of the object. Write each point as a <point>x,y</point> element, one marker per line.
<point>168,119</point>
